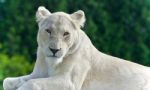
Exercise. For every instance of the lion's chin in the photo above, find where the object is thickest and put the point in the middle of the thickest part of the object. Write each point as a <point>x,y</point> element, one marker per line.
<point>53,60</point>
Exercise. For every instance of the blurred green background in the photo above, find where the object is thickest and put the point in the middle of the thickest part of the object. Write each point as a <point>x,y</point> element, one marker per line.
<point>117,27</point>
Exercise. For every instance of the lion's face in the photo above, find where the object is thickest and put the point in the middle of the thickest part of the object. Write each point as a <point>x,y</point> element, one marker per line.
<point>57,33</point>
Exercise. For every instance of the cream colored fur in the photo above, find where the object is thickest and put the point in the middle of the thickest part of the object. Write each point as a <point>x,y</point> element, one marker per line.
<point>78,65</point>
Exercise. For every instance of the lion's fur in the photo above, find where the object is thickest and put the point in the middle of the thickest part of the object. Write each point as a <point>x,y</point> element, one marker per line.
<point>79,65</point>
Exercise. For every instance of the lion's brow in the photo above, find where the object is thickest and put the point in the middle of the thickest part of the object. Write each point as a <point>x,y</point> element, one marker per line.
<point>67,21</point>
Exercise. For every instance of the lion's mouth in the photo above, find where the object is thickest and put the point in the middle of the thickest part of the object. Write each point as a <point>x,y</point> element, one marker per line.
<point>54,56</point>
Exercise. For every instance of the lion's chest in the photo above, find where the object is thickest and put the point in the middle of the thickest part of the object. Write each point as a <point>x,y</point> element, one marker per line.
<point>51,65</point>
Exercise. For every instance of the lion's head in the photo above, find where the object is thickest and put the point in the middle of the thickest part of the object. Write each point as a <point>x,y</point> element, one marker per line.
<point>58,31</point>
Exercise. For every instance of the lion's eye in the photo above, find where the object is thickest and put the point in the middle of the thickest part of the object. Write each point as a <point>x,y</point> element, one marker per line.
<point>47,30</point>
<point>66,33</point>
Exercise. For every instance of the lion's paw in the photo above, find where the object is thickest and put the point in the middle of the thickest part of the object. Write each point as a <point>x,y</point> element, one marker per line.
<point>12,83</point>
<point>30,85</point>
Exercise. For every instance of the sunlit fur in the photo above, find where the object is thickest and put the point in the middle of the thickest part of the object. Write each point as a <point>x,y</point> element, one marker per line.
<point>78,65</point>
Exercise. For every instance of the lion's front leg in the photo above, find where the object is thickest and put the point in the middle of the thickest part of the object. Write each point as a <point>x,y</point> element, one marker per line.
<point>14,83</point>
<point>39,71</point>
<point>30,85</point>
<point>52,83</point>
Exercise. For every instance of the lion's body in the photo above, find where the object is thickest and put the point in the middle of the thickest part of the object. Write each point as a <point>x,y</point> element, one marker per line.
<point>111,73</point>
<point>81,67</point>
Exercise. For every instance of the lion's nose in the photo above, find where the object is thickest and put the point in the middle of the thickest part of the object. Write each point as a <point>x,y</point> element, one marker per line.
<point>54,51</point>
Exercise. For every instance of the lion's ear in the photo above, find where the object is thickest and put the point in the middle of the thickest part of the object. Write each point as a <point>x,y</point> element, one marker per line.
<point>41,13</point>
<point>78,17</point>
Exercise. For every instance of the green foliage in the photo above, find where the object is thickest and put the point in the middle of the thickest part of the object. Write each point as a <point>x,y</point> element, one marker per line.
<point>1,87</point>
<point>120,28</point>
<point>12,66</point>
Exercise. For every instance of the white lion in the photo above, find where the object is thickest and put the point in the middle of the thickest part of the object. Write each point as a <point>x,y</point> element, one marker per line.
<point>67,60</point>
